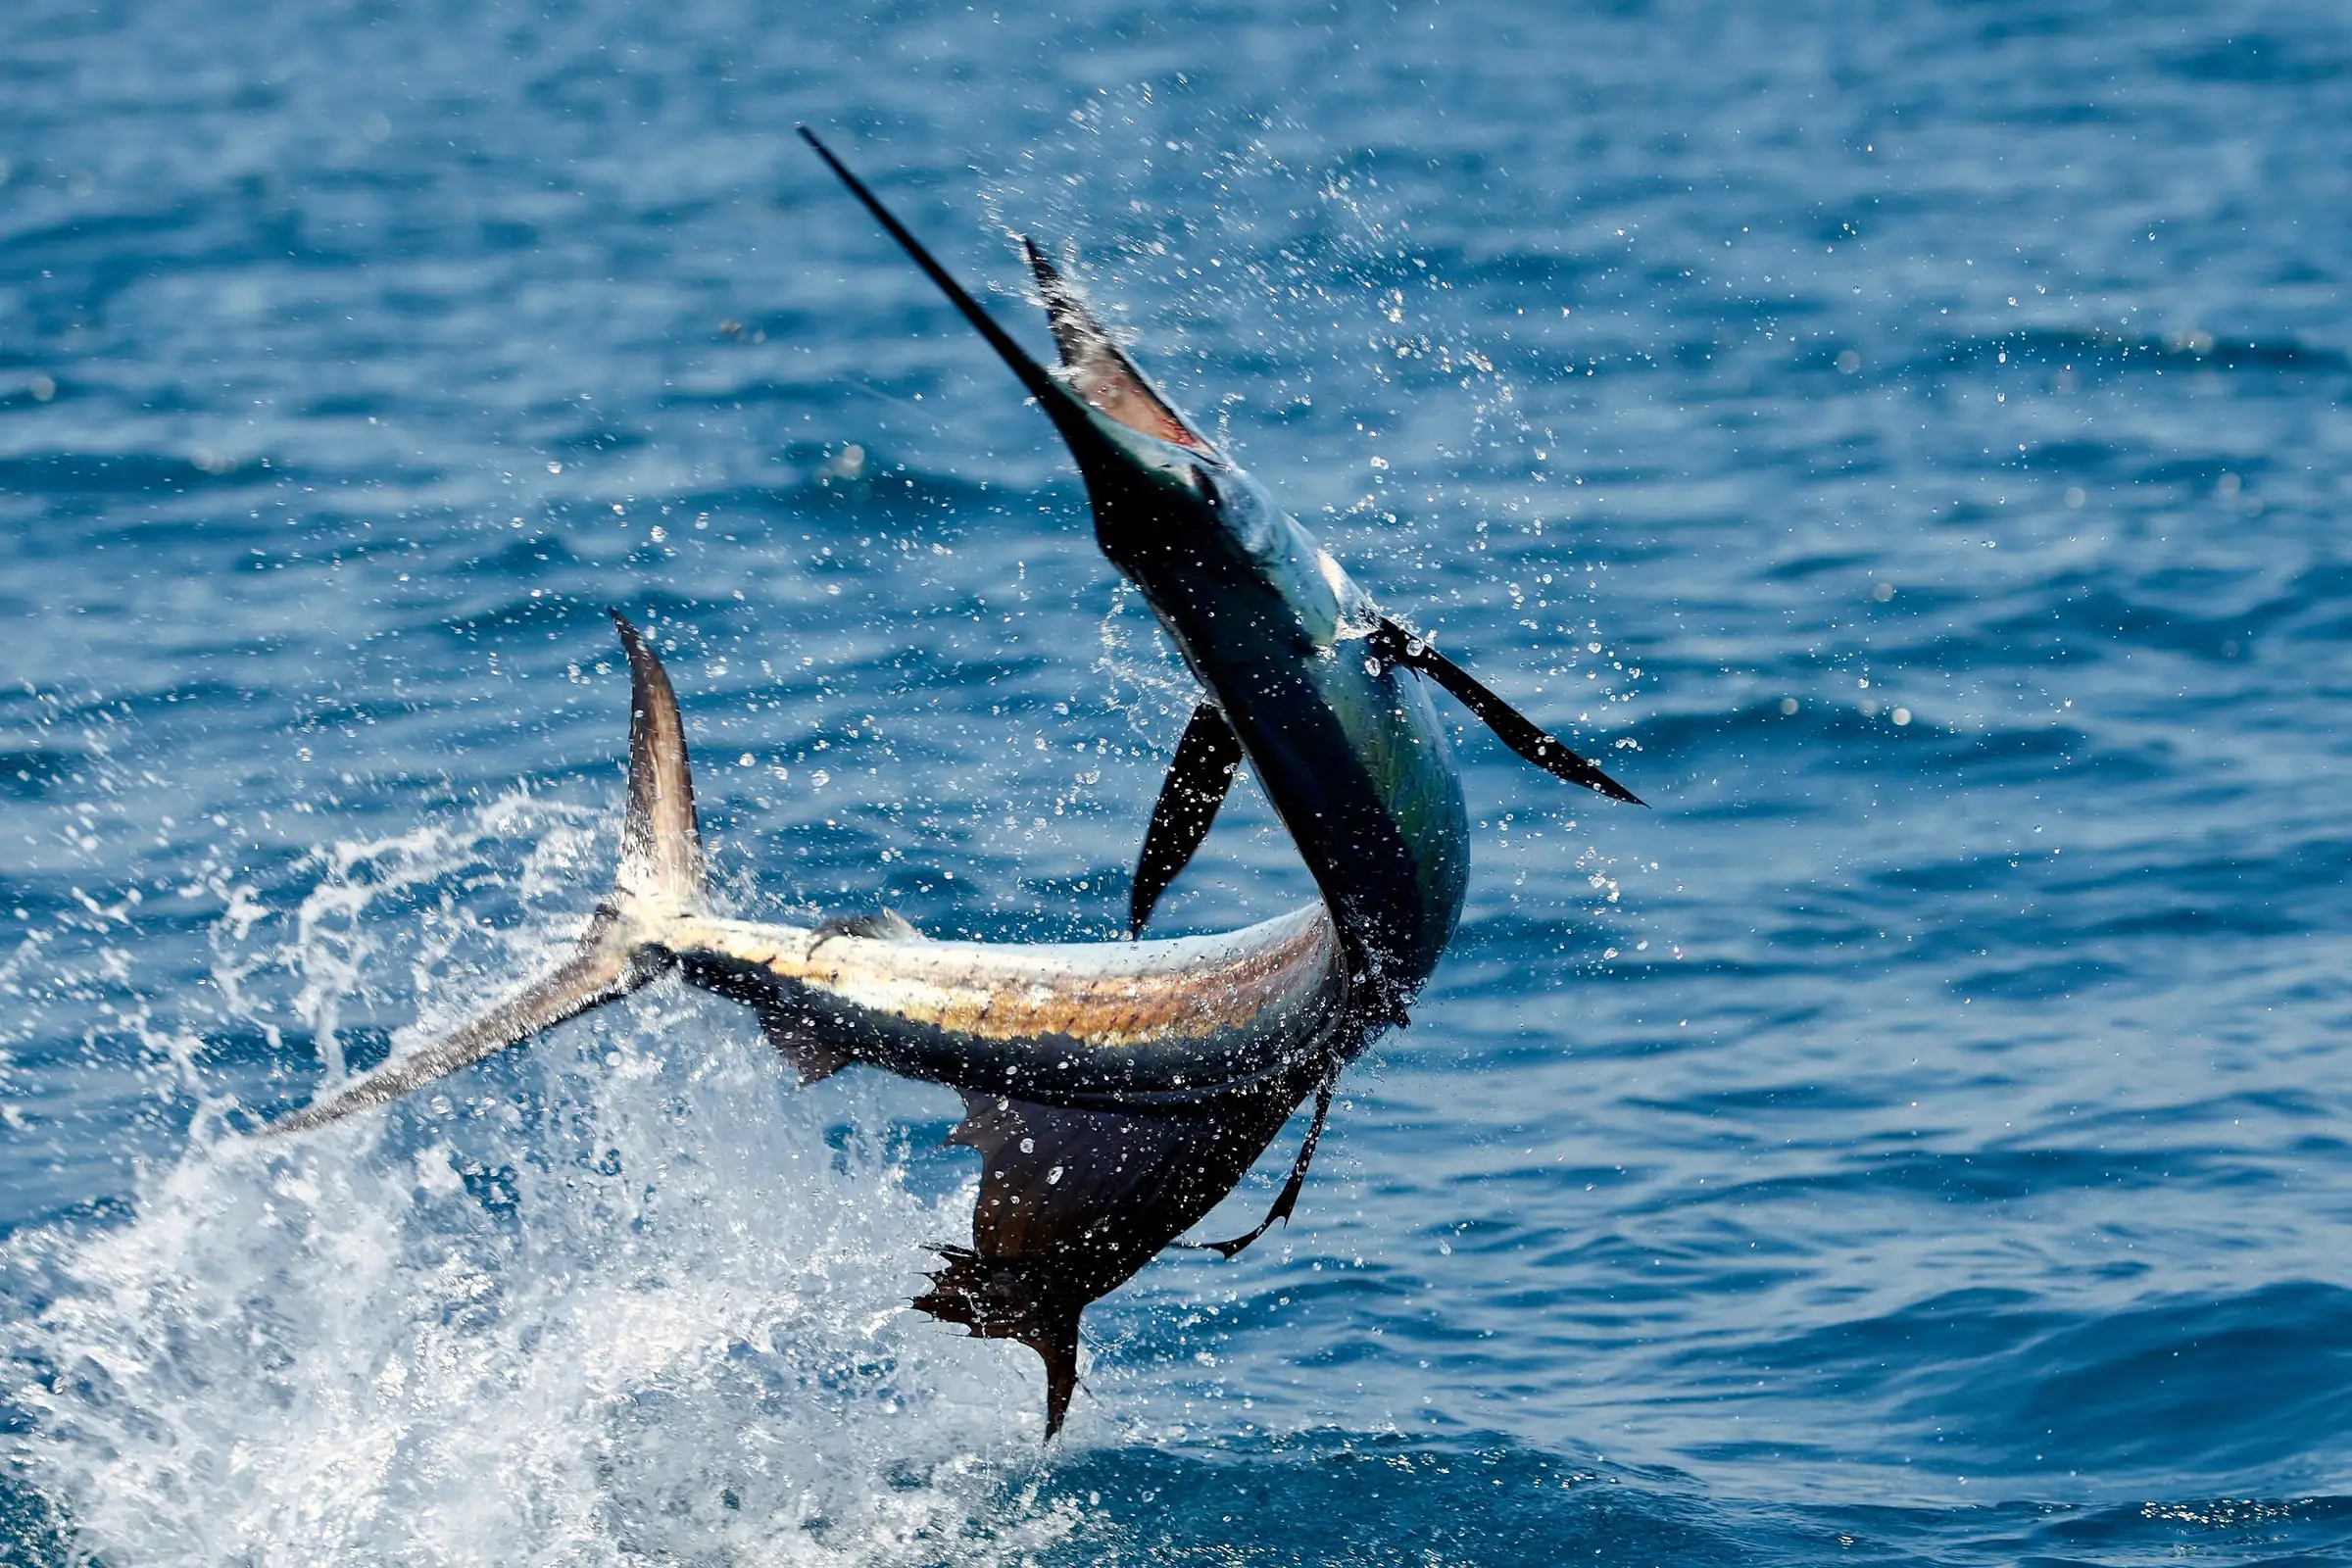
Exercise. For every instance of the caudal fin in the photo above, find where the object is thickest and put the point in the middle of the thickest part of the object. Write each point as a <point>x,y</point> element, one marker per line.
<point>660,842</point>
<point>661,878</point>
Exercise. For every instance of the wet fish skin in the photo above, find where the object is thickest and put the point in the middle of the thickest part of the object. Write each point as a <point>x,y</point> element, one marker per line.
<point>1116,1092</point>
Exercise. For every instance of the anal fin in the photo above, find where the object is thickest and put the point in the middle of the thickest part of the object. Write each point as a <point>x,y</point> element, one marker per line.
<point>1074,1200</point>
<point>797,1038</point>
<point>811,1058</point>
<point>1198,781</point>
<point>1286,1201</point>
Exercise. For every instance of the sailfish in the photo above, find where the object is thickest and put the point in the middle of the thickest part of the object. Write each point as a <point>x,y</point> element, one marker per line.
<point>1116,1091</point>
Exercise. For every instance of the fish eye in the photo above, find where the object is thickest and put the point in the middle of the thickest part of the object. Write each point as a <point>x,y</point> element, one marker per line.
<point>1207,487</point>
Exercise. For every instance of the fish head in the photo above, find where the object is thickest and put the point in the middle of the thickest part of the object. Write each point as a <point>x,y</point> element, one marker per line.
<point>1174,514</point>
<point>1194,529</point>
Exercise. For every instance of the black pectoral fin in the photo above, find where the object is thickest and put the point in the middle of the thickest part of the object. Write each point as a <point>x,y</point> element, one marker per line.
<point>1196,784</point>
<point>1073,1202</point>
<point>1512,727</point>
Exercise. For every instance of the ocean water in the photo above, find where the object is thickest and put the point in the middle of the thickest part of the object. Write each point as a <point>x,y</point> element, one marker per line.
<point>1906,442</point>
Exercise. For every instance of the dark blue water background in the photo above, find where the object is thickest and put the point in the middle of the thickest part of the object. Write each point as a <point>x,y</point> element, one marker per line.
<point>1906,441</point>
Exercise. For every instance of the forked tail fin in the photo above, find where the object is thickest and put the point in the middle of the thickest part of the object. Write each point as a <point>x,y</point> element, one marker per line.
<point>660,879</point>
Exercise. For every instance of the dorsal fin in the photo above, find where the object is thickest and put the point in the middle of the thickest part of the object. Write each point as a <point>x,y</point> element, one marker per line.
<point>1099,371</point>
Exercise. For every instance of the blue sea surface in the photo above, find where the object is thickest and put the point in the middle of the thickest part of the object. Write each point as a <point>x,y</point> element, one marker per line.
<point>1907,443</point>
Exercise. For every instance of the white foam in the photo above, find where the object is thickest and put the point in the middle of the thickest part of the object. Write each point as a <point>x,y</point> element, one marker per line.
<point>615,1299</point>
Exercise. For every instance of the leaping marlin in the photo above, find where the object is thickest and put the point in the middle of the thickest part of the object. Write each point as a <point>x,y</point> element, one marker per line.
<point>1116,1092</point>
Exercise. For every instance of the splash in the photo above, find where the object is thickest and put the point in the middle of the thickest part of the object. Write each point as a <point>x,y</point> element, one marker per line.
<point>622,1297</point>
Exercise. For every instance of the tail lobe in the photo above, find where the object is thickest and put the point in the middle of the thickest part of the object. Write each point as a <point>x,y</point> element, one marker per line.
<point>599,970</point>
<point>660,842</point>
<point>661,878</point>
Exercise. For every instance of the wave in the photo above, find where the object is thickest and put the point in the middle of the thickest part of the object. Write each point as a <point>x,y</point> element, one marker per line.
<point>620,1296</point>
<point>2238,1387</point>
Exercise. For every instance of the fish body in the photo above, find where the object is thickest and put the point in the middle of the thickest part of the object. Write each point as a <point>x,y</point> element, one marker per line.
<point>1116,1092</point>
<point>1179,1024</point>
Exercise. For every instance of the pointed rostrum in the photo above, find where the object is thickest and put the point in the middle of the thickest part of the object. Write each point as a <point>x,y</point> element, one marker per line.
<point>1033,376</point>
